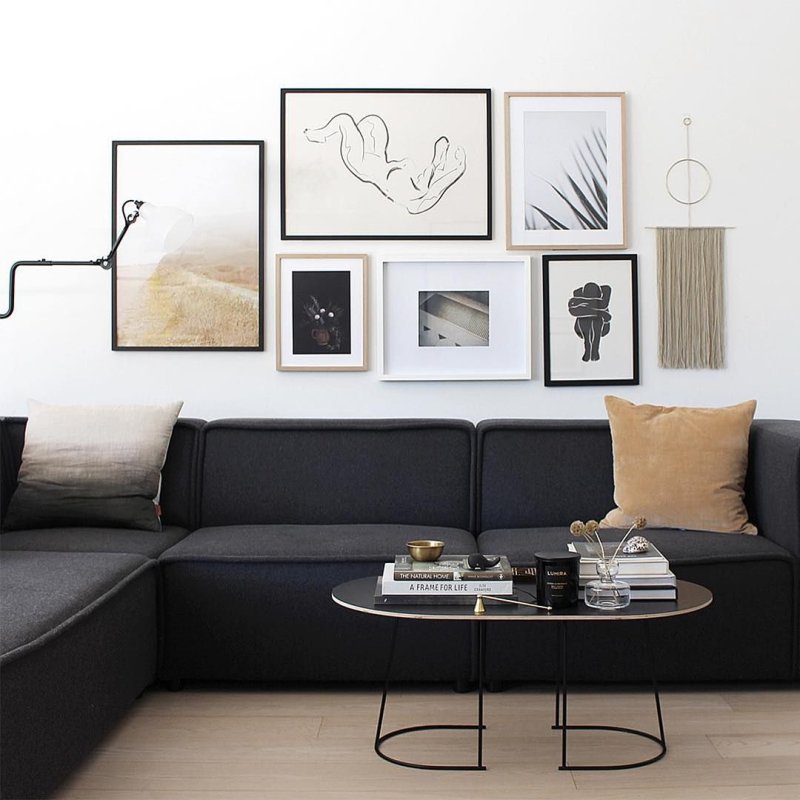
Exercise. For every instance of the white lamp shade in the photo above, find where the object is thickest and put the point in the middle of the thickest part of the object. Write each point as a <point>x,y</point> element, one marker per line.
<point>167,227</point>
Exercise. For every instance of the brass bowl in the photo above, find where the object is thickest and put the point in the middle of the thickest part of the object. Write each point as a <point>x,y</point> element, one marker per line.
<point>425,549</point>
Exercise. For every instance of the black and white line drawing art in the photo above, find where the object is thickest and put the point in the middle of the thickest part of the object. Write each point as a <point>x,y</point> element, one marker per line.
<point>589,304</point>
<point>363,147</point>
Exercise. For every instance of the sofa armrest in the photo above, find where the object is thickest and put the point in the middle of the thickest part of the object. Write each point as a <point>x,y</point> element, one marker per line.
<point>773,481</point>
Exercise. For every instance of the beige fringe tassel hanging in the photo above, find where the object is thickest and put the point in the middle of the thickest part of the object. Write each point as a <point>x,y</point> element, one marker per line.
<point>691,323</point>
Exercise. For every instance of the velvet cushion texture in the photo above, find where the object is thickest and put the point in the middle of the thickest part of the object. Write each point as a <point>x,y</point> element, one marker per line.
<point>680,467</point>
<point>92,466</point>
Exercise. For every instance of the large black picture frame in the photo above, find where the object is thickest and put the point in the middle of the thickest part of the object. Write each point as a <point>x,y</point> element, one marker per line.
<point>211,286</point>
<point>417,164</point>
<point>590,319</point>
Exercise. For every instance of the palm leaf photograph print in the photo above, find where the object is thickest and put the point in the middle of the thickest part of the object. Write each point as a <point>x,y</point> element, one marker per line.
<point>566,169</point>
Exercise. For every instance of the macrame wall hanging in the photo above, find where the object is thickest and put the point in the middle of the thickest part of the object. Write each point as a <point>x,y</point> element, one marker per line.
<point>691,314</point>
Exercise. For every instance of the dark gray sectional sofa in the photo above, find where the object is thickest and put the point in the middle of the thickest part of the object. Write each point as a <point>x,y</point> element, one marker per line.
<point>263,517</point>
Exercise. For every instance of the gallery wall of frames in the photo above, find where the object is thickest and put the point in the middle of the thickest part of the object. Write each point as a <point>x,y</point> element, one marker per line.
<point>381,165</point>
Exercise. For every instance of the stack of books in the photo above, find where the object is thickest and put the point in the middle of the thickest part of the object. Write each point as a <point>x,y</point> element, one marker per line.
<point>448,580</point>
<point>648,574</point>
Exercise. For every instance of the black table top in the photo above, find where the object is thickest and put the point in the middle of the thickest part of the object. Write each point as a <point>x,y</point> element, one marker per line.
<point>359,595</point>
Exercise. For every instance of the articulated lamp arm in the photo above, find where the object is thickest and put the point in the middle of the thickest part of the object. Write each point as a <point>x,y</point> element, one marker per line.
<point>130,215</point>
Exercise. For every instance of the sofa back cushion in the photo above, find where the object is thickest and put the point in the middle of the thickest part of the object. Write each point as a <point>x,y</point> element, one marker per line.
<point>543,473</point>
<point>316,472</point>
<point>178,475</point>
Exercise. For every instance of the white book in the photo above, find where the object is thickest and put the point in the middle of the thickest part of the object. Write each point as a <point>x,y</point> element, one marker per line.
<point>665,581</point>
<point>651,562</point>
<point>443,588</point>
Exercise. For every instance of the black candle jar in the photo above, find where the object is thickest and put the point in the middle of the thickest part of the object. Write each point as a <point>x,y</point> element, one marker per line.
<point>557,578</point>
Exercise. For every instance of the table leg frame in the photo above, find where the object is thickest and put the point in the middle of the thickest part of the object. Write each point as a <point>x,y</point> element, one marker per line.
<point>561,722</point>
<point>479,642</point>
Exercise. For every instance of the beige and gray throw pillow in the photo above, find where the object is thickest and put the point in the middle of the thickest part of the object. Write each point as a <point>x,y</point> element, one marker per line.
<point>92,465</point>
<point>680,467</point>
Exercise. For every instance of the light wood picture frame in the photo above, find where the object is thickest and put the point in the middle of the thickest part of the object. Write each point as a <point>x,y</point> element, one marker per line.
<point>565,159</point>
<point>321,317</point>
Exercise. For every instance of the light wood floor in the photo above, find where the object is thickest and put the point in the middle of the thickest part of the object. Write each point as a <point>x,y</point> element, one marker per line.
<point>253,743</point>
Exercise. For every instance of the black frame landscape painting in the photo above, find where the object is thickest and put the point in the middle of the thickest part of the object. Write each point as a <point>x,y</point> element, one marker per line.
<point>386,164</point>
<point>590,320</point>
<point>565,171</point>
<point>190,273</point>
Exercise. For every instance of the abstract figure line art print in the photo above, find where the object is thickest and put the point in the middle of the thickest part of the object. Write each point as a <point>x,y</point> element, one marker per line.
<point>386,164</point>
<point>364,151</point>
<point>589,304</point>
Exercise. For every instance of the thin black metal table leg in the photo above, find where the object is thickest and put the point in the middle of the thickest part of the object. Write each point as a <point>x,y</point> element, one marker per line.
<point>381,737</point>
<point>651,658</point>
<point>481,678</point>
<point>660,740</point>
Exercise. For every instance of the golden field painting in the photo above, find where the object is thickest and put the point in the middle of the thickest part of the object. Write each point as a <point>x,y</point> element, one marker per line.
<point>206,295</point>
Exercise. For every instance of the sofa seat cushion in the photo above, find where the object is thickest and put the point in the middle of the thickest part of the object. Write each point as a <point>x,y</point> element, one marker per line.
<point>680,547</point>
<point>42,594</point>
<point>94,540</point>
<point>311,543</point>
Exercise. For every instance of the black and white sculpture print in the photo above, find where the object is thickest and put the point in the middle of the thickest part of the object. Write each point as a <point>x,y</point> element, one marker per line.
<point>385,164</point>
<point>564,171</point>
<point>590,319</point>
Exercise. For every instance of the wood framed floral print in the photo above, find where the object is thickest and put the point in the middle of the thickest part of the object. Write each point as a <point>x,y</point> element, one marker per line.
<point>455,319</point>
<point>386,164</point>
<point>590,319</point>
<point>322,312</point>
<point>189,274</point>
<point>565,171</point>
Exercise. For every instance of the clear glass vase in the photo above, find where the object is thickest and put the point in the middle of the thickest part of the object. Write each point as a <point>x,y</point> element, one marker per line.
<point>607,592</point>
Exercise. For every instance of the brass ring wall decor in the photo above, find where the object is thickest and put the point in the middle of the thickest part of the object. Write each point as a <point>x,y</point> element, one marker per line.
<point>688,162</point>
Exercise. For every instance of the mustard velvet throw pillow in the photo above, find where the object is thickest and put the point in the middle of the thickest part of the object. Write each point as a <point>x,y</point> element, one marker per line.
<point>680,467</point>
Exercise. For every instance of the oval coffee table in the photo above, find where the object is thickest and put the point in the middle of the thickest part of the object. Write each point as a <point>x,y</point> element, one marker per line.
<point>359,595</point>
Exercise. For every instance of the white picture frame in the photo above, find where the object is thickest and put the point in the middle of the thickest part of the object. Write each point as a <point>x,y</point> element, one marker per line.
<point>460,318</point>
<point>386,164</point>
<point>321,316</point>
<point>565,170</point>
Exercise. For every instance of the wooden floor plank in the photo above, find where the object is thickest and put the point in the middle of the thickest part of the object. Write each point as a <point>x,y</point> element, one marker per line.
<point>281,742</point>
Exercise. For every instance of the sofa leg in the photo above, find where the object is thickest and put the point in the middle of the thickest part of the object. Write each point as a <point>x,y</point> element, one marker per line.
<point>495,686</point>
<point>175,684</point>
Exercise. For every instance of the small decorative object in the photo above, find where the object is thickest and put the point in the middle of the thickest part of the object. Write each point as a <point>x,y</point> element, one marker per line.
<point>607,592</point>
<point>557,578</point>
<point>425,549</point>
<point>479,561</point>
<point>636,544</point>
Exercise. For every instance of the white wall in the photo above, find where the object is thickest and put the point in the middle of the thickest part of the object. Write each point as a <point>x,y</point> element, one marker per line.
<point>74,76</point>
